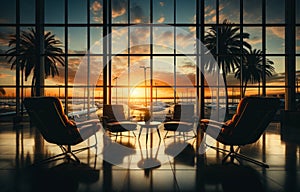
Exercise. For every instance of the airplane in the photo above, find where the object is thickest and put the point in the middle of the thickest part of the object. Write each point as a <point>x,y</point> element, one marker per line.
<point>78,114</point>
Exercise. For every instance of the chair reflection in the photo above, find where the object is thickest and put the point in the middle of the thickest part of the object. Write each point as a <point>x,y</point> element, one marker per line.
<point>63,177</point>
<point>182,152</point>
<point>150,161</point>
<point>115,151</point>
<point>231,177</point>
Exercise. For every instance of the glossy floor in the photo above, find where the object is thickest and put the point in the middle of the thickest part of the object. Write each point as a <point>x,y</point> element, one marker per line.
<point>132,164</point>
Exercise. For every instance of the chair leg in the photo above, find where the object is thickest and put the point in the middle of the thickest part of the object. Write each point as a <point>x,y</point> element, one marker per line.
<point>166,134</point>
<point>66,151</point>
<point>133,134</point>
<point>259,163</point>
<point>234,154</point>
<point>69,151</point>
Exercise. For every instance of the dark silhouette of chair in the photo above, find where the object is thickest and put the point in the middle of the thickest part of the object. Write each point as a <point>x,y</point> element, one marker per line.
<point>66,176</point>
<point>182,121</point>
<point>252,117</point>
<point>47,114</point>
<point>114,121</point>
<point>182,152</point>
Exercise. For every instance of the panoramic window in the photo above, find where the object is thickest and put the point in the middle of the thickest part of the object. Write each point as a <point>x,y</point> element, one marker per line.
<point>148,50</point>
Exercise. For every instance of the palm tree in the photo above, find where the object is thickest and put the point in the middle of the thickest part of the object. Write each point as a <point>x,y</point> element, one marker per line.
<point>253,68</point>
<point>27,58</point>
<point>224,43</point>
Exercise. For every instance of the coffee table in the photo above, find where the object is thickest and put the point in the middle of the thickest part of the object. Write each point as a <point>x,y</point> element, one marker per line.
<point>149,125</point>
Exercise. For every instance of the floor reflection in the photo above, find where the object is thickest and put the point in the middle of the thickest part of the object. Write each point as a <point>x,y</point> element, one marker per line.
<point>129,164</point>
<point>66,176</point>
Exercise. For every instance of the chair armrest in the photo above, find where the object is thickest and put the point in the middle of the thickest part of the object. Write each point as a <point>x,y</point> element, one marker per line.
<point>213,122</point>
<point>92,122</point>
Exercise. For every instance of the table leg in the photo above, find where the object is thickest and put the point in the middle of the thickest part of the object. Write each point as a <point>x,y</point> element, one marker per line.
<point>158,132</point>
<point>140,131</point>
<point>147,135</point>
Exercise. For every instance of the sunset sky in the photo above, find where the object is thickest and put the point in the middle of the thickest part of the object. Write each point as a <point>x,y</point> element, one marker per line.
<point>140,37</point>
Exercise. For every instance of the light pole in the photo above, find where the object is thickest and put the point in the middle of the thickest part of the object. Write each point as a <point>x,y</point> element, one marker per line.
<point>145,69</point>
<point>59,90</point>
<point>155,92</point>
<point>116,79</point>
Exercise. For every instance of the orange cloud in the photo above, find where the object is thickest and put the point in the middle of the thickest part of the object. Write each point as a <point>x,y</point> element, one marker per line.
<point>118,8</point>
<point>161,20</point>
<point>96,9</point>
<point>118,13</point>
<point>3,76</point>
<point>96,6</point>
<point>277,31</point>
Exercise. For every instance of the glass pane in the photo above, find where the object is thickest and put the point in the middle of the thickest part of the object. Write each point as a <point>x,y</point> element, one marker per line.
<point>54,11</point>
<point>96,70</point>
<point>59,78</point>
<point>8,12</point>
<point>210,11</point>
<point>140,40</point>
<point>56,91</point>
<point>163,40</point>
<point>120,11</point>
<point>119,71</point>
<point>7,75</point>
<point>298,40</point>
<point>119,37</point>
<point>27,11</point>
<point>275,11</point>
<point>230,10</point>
<point>275,40</point>
<point>74,64</point>
<point>297,12</point>
<point>298,76</point>
<point>77,11</point>
<point>59,34</point>
<point>255,37</point>
<point>185,71</point>
<point>7,99</point>
<point>96,40</point>
<point>276,91</point>
<point>163,79</point>
<point>139,11</point>
<point>252,12</point>
<point>276,78</point>
<point>185,40</point>
<point>5,35</point>
<point>77,40</point>
<point>162,11</point>
<point>163,71</point>
<point>139,80</point>
<point>185,11</point>
<point>96,11</point>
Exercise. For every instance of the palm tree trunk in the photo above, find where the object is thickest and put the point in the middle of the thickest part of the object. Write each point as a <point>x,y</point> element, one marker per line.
<point>245,87</point>
<point>226,95</point>
<point>258,88</point>
<point>33,85</point>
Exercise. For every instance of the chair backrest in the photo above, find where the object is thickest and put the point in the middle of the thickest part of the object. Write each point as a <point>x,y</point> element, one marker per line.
<point>114,112</point>
<point>252,118</point>
<point>47,114</point>
<point>184,112</point>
